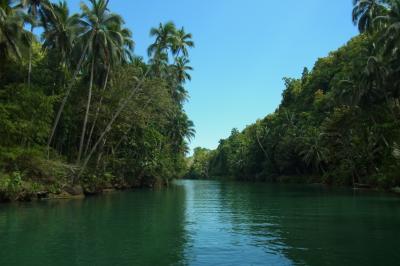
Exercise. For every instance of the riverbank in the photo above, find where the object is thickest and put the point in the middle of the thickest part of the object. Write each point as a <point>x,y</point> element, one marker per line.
<point>41,179</point>
<point>28,191</point>
<point>205,222</point>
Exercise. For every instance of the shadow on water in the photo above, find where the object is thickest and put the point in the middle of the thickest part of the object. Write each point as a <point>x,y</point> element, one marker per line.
<point>206,223</point>
<point>129,228</point>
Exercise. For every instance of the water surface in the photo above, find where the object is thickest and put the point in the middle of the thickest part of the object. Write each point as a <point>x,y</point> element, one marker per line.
<point>206,223</point>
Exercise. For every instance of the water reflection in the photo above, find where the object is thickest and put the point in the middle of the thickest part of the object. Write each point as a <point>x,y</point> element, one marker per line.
<point>206,223</point>
<point>132,228</point>
<point>221,231</point>
<point>253,224</point>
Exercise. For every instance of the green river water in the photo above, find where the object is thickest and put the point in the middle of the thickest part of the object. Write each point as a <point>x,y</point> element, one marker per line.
<point>206,223</point>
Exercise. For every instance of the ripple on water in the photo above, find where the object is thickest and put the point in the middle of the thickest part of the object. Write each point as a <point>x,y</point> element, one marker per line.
<point>206,223</point>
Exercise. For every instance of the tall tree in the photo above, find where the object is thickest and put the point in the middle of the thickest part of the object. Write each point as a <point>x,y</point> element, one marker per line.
<point>98,23</point>
<point>116,53</point>
<point>36,9</point>
<point>181,42</point>
<point>164,38</point>
<point>61,32</point>
<point>364,13</point>
<point>11,30</point>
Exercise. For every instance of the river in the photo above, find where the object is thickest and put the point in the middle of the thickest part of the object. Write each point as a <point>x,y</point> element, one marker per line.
<point>206,223</point>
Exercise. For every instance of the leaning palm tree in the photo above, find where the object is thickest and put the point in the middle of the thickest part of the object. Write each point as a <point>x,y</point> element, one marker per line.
<point>153,49</point>
<point>117,52</point>
<point>61,34</point>
<point>98,23</point>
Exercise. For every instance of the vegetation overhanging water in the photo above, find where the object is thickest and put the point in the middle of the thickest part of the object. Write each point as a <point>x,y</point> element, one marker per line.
<point>81,114</point>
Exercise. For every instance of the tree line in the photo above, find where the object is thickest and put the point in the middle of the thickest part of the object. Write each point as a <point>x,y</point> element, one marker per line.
<point>337,124</point>
<point>77,105</point>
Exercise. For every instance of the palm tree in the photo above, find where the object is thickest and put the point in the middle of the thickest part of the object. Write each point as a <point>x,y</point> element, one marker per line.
<point>365,11</point>
<point>179,75</point>
<point>11,30</point>
<point>313,151</point>
<point>117,52</point>
<point>391,19</point>
<point>98,23</point>
<point>61,32</point>
<point>181,128</point>
<point>350,93</point>
<point>182,41</point>
<point>159,47</point>
<point>165,38</point>
<point>181,69</point>
<point>36,9</point>
<point>162,46</point>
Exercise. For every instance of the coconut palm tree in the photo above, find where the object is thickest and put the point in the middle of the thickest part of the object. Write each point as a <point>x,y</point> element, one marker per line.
<point>61,32</point>
<point>180,129</point>
<point>165,38</point>
<point>179,74</point>
<point>181,69</point>
<point>36,10</point>
<point>116,53</point>
<point>365,11</point>
<point>313,152</point>
<point>162,46</point>
<point>159,48</point>
<point>181,42</point>
<point>98,23</point>
<point>159,65</point>
<point>391,33</point>
<point>11,30</point>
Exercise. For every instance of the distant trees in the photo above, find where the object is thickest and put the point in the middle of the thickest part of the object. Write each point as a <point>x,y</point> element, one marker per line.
<point>339,122</point>
<point>199,164</point>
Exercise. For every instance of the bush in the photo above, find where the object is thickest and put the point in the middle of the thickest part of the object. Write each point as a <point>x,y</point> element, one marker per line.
<point>12,188</point>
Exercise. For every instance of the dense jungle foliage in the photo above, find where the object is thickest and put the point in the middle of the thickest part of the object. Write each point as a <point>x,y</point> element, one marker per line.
<point>78,107</point>
<point>337,124</point>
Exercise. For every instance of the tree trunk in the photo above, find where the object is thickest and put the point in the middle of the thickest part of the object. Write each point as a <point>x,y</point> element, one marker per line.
<point>64,101</point>
<point>30,59</point>
<point>127,132</point>
<point>100,155</point>
<point>97,112</point>
<point>262,147</point>
<point>108,128</point>
<point>86,113</point>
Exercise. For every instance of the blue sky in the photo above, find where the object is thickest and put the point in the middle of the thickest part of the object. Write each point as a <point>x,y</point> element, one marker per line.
<point>243,50</point>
